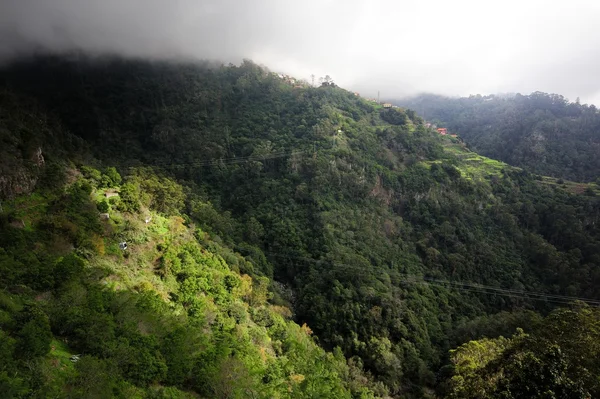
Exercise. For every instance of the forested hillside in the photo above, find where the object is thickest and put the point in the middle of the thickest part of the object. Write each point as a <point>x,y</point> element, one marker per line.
<point>171,316</point>
<point>544,133</point>
<point>251,207</point>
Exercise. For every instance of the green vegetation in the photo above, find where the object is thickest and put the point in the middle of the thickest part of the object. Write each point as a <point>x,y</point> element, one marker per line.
<point>472,165</point>
<point>282,241</point>
<point>558,359</point>
<point>163,318</point>
<point>544,133</point>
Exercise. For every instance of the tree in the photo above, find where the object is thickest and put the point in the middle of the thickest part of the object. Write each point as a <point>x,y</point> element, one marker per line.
<point>469,361</point>
<point>326,81</point>
<point>95,378</point>
<point>129,194</point>
<point>34,333</point>
<point>558,359</point>
<point>92,174</point>
<point>111,178</point>
<point>103,206</point>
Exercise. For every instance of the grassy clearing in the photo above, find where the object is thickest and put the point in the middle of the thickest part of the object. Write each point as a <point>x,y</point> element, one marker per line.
<point>472,165</point>
<point>571,186</point>
<point>135,268</point>
<point>475,166</point>
<point>58,367</point>
<point>454,148</point>
<point>29,209</point>
<point>60,354</point>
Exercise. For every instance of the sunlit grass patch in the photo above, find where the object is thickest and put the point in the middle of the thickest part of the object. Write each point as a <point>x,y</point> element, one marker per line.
<point>28,208</point>
<point>571,186</point>
<point>58,367</point>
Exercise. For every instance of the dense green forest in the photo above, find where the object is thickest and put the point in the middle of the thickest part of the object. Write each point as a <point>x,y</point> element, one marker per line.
<point>544,133</point>
<point>282,241</point>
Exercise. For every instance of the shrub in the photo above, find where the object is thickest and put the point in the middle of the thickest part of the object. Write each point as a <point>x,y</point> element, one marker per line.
<point>111,178</point>
<point>103,206</point>
<point>34,334</point>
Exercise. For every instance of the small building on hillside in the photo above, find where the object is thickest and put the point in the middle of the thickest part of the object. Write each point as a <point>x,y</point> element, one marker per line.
<point>18,224</point>
<point>443,131</point>
<point>387,105</point>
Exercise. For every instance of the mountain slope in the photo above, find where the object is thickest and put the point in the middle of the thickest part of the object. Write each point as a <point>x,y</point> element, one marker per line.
<point>170,316</point>
<point>552,360</point>
<point>544,133</point>
<point>372,228</point>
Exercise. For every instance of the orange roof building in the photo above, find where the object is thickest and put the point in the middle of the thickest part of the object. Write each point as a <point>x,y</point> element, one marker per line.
<point>443,131</point>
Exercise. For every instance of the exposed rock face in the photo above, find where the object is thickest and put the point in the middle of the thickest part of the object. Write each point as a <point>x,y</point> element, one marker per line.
<point>21,182</point>
<point>381,192</point>
<point>18,224</point>
<point>19,178</point>
<point>38,158</point>
<point>31,140</point>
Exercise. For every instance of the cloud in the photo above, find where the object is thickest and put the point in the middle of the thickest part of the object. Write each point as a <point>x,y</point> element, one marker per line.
<point>397,47</point>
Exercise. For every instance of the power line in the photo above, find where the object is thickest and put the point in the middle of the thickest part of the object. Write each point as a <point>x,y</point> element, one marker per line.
<point>562,302</point>
<point>204,162</point>
<point>227,161</point>
<point>461,286</point>
<point>464,286</point>
<point>209,162</point>
<point>524,295</point>
<point>513,291</point>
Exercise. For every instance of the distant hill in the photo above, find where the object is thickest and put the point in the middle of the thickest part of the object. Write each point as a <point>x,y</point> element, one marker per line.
<point>544,133</point>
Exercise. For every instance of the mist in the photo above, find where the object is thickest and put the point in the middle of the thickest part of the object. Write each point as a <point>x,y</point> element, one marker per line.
<point>396,48</point>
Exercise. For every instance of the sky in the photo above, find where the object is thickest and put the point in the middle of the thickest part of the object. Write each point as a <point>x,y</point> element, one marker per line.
<point>398,48</point>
